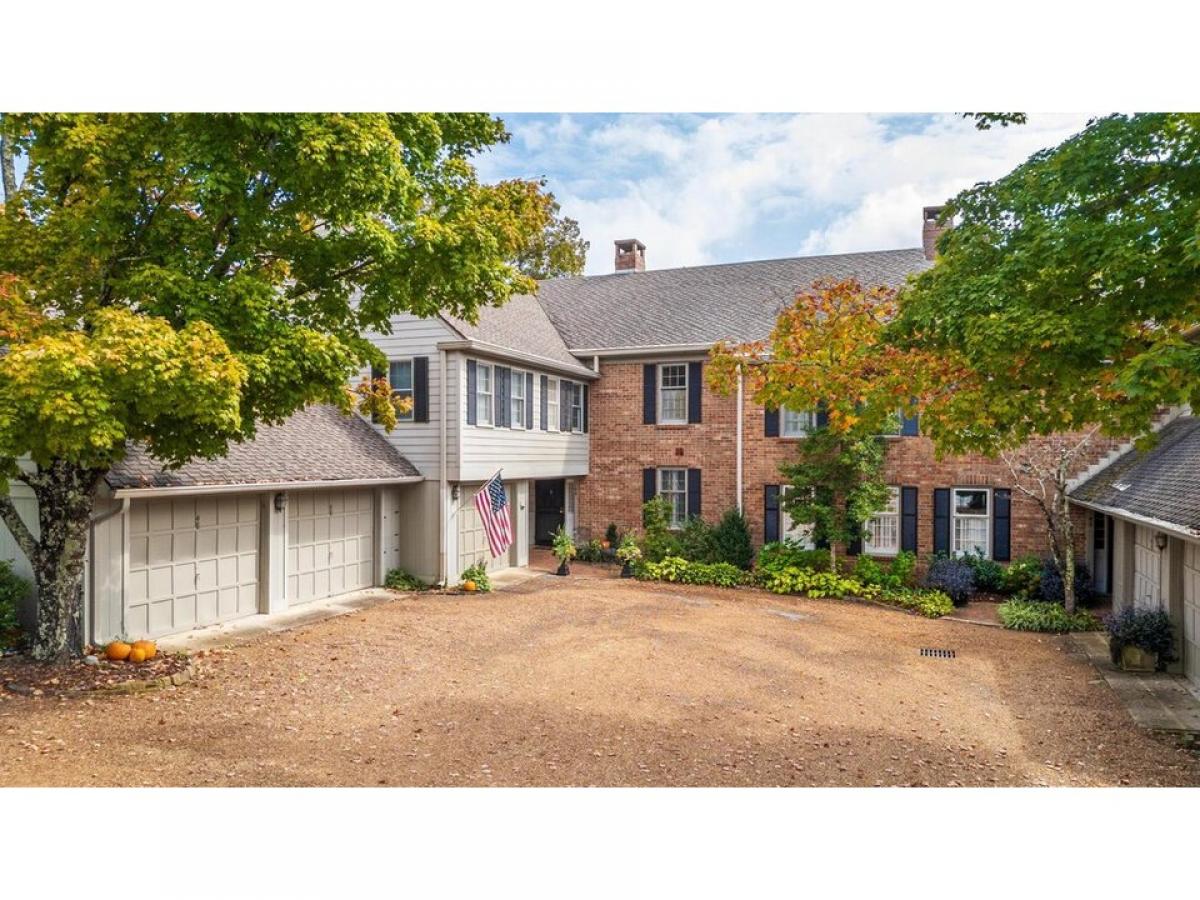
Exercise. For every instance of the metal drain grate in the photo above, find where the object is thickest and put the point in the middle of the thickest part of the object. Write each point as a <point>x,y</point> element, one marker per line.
<point>937,652</point>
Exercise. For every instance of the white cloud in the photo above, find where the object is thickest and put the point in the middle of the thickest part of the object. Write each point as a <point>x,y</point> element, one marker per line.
<point>692,188</point>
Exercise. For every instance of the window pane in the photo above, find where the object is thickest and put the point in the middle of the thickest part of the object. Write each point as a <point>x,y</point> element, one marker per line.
<point>674,406</point>
<point>400,375</point>
<point>971,534</point>
<point>971,503</point>
<point>795,424</point>
<point>673,376</point>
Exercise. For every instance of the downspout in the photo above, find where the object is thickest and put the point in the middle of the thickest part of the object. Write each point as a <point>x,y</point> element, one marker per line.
<point>444,403</point>
<point>740,417</point>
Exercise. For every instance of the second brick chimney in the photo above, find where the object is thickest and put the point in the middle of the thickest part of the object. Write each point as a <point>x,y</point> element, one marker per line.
<point>931,230</point>
<point>631,256</point>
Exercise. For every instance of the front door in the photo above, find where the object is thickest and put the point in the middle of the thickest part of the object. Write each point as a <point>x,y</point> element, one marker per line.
<point>549,508</point>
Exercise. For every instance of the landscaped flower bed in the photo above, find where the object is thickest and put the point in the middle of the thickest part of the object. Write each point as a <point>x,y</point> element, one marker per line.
<point>24,676</point>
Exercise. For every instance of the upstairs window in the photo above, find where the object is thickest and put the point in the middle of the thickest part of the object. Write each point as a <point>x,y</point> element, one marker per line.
<point>796,424</point>
<point>673,394</point>
<point>483,394</point>
<point>552,413</point>
<point>517,400</point>
<point>400,376</point>
<point>971,527</point>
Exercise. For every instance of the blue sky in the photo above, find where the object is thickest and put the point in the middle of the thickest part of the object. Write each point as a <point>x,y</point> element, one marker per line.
<point>702,189</point>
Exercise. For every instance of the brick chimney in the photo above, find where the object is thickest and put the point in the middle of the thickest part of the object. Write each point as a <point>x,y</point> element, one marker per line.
<point>631,256</point>
<point>931,230</point>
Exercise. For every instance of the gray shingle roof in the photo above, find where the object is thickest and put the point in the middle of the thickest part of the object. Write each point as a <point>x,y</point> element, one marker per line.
<point>702,304</point>
<point>1162,483</point>
<point>520,324</point>
<point>319,443</point>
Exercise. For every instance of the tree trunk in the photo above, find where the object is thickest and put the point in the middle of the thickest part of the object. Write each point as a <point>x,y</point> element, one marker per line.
<point>65,497</point>
<point>1067,540</point>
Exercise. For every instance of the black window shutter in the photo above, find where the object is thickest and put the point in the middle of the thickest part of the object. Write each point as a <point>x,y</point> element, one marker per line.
<point>584,388</point>
<point>693,493</point>
<point>649,394</point>
<point>695,373</point>
<point>529,400</point>
<point>909,426</point>
<point>471,419</point>
<point>564,405</point>
<point>421,389</point>
<point>941,520</point>
<point>376,374</point>
<point>545,384</point>
<point>770,513</point>
<point>822,415</point>
<point>908,518</point>
<point>855,545</point>
<point>498,396</point>
<point>1002,524</point>
<point>771,422</point>
<point>649,485</point>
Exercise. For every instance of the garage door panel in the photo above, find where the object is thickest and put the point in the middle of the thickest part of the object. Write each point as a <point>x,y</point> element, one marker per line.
<point>330,544</point>
<point>206,543</point>
<point>184,546</point>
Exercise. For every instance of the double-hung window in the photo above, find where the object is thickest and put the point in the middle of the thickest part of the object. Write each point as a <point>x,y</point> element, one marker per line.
<point>672,487</point>
<point>517,400</point>
<point>673,394</point>
<point>400,376</point>
<point>972,523</point>
<point>552,404</point>
<point>883,530</point>
<point>576,395</point>
<point>795,424</point>
<point>483,394</point>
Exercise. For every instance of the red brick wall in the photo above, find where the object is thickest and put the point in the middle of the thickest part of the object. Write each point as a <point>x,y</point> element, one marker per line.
<point>621,447</point>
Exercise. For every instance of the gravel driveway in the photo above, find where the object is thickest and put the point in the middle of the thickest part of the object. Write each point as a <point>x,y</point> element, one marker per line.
<point>594,680</point>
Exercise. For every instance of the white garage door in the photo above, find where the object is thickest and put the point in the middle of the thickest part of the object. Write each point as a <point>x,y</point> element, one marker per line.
<point>472,539</point>
<point>192,561</point>
<point>331,540</point>
<point>1191,611</point>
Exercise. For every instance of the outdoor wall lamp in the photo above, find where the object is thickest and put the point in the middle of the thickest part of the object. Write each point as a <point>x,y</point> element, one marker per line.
<point>454,492</point>
<point>280,502</point>
<point>1160,541</point>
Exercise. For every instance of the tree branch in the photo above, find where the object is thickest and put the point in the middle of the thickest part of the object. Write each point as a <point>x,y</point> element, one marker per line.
<point>20,531</point>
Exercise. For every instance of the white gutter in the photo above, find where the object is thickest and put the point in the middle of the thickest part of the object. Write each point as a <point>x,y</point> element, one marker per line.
<point>495,351</point>
<point>740,416</point>
<point>191,489</point>
<point>1116,513</point>
<point>442,492</point>
<point>641,349</point>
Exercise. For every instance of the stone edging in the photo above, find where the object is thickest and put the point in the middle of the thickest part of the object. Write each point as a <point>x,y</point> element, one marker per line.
<point>138,685</point>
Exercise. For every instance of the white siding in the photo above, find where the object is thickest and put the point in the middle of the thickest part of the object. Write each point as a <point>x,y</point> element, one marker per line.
<point>521,453</point>
<point>26,505</point>
<point>411,530</point>
<point>1191,611</point>
<point>418,441</point>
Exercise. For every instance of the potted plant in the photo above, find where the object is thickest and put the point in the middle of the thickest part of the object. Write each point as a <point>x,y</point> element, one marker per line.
<point>1141,640</point>
<point>628,553</point>
<point>564,551</point>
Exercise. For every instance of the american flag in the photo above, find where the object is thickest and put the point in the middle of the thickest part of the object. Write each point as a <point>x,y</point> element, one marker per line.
<point>492,504</point>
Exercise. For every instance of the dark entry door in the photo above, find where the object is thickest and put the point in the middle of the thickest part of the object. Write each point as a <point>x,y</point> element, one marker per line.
<point>548,508</point>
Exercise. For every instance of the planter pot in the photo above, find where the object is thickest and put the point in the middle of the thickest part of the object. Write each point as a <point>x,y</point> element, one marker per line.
<point>1135,659</point>
<point>626,571</point>
<point>563,569</point>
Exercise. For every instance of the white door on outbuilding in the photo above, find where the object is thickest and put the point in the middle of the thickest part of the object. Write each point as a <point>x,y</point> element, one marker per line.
<point>193,561</point>
<point>330,543</point>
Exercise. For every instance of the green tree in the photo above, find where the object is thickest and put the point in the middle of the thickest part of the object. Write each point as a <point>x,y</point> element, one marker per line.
<point>177,279</point>
<point>557,251</point>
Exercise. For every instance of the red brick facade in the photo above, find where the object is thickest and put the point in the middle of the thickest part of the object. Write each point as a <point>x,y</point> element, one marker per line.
<point>622,446</point>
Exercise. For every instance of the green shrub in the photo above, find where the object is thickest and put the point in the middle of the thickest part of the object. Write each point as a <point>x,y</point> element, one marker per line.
<point>592,551</point>
<point>782,554</point>
<point>399,580</point>
<point>932,604</point>
<point>1027,615</point>
<point>681,571</point>
<point>563,546</point>
<point>696,543</point>
<point>989,574</point>
<point>868,571</point>
<point>629,552</point>
<point>898,574</point>
<point>1022,578</point>
<point>610,534</point>
<point>797,580</point>
<point>659,542</point>
<point>13,591</point>
<point>904,568</point>
<point>478,574</point>
<point>731,539</point>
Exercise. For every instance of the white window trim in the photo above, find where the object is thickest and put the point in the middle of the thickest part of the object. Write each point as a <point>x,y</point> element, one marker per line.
<point>490,394</point>
<point>576,407</point>
<point>986,518</point>
<point>662,419</point>
<point>411,415</point>
<point>552,410</point>
<point>869,548</point>
<point>803,431</point>
<point>661,493</point>
<point>515,421</point>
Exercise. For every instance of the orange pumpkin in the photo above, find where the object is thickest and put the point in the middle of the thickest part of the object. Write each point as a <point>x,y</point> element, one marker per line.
<point>118,650</point>
<point>137,655</point>
<point>469,586</point>
<point>149,648</point>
